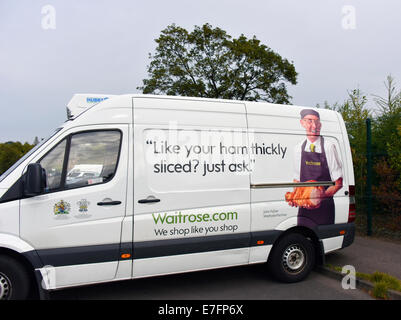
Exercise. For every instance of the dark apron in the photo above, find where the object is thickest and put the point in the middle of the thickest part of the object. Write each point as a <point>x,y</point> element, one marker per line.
<point>314,167</point>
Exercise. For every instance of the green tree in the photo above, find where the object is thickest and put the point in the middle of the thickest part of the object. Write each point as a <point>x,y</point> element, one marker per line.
<point>390,104</point>
<point>386,148</point>
<point>354,112</point>
<point>394,154</point>
<point>10,152</point>
<point>387,129</point>
<point>388,120</point>
<point>208,62</point>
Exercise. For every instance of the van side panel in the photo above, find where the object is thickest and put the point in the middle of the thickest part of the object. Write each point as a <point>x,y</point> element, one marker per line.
<point>9,218</point>
<point>276,140</point>
<point>71,229</point>
<point>347,151</point>
<point>191,192</point>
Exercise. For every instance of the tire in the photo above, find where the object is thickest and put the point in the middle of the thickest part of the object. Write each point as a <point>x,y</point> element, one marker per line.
<point>14,279</point>
<point>292,258</point>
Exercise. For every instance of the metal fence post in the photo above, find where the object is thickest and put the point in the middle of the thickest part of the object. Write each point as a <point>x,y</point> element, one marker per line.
<point>369,176</point>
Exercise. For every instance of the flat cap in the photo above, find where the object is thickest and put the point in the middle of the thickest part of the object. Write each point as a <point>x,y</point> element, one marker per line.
<point>306,112</point>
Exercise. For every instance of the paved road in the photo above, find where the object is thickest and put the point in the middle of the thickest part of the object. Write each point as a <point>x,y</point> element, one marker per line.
<point>245,283</point>
<point>368,255</point>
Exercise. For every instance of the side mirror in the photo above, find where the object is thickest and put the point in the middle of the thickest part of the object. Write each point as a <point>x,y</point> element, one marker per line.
<point>35,180</point>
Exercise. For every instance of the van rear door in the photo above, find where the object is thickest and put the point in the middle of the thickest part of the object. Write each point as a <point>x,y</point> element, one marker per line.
<point>278,145</point>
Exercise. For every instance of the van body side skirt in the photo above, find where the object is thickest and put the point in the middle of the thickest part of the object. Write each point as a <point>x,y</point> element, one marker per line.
<point>158,248</point>
<point>58,257</point>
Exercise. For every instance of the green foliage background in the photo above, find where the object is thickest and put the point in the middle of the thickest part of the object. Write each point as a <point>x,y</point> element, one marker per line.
<point>208,62</point>
<point>385,115</point>
<point>10,152</point>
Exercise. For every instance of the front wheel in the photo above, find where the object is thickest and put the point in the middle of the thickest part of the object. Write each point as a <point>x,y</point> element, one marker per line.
<point>14,280</point>
<point>292,258</point>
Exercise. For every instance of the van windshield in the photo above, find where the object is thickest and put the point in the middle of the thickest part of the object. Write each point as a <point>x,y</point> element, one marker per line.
<point>26,155</point>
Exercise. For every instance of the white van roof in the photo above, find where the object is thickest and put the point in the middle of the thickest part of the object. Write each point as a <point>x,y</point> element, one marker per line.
<point>81,101</point>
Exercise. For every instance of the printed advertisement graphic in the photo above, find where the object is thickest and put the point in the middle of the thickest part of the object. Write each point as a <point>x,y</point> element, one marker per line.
<point>198,160</point>
<point>193,223</point>
<point>319,161</point>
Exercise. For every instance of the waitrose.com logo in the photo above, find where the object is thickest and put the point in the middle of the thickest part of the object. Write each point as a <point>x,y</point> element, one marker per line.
<point>178,217</point>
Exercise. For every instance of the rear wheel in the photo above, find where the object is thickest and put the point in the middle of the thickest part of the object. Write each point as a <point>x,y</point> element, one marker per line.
<point>14,279</point>
<point>292,258</point>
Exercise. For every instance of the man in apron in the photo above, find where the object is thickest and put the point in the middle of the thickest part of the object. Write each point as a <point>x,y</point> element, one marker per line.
<point>317,159</point>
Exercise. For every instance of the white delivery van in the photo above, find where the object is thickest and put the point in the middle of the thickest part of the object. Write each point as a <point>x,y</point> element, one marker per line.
<point>175,185</point>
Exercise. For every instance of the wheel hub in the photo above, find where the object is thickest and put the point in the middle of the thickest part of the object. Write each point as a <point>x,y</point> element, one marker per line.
<point>5,287</point>
<point>294,258</point>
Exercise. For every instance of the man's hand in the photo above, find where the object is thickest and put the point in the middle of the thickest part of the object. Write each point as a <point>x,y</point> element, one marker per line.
<point>331,191</point>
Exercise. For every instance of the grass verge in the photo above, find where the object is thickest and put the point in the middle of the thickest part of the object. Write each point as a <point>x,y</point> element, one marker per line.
<point>382,282</point>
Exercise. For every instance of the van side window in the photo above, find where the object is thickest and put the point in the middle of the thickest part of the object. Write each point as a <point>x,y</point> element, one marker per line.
<point>53,165</point>
<point>92,158</point>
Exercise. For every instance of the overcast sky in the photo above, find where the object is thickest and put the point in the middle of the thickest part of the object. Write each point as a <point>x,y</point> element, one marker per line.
<point>103,46</point>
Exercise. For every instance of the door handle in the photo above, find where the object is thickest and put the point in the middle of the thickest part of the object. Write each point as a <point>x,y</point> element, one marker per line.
<point>149,199</point>
<point>108,203</point>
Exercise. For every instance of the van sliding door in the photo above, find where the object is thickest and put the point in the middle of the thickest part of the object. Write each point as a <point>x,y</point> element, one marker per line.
<point>191,186</point>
